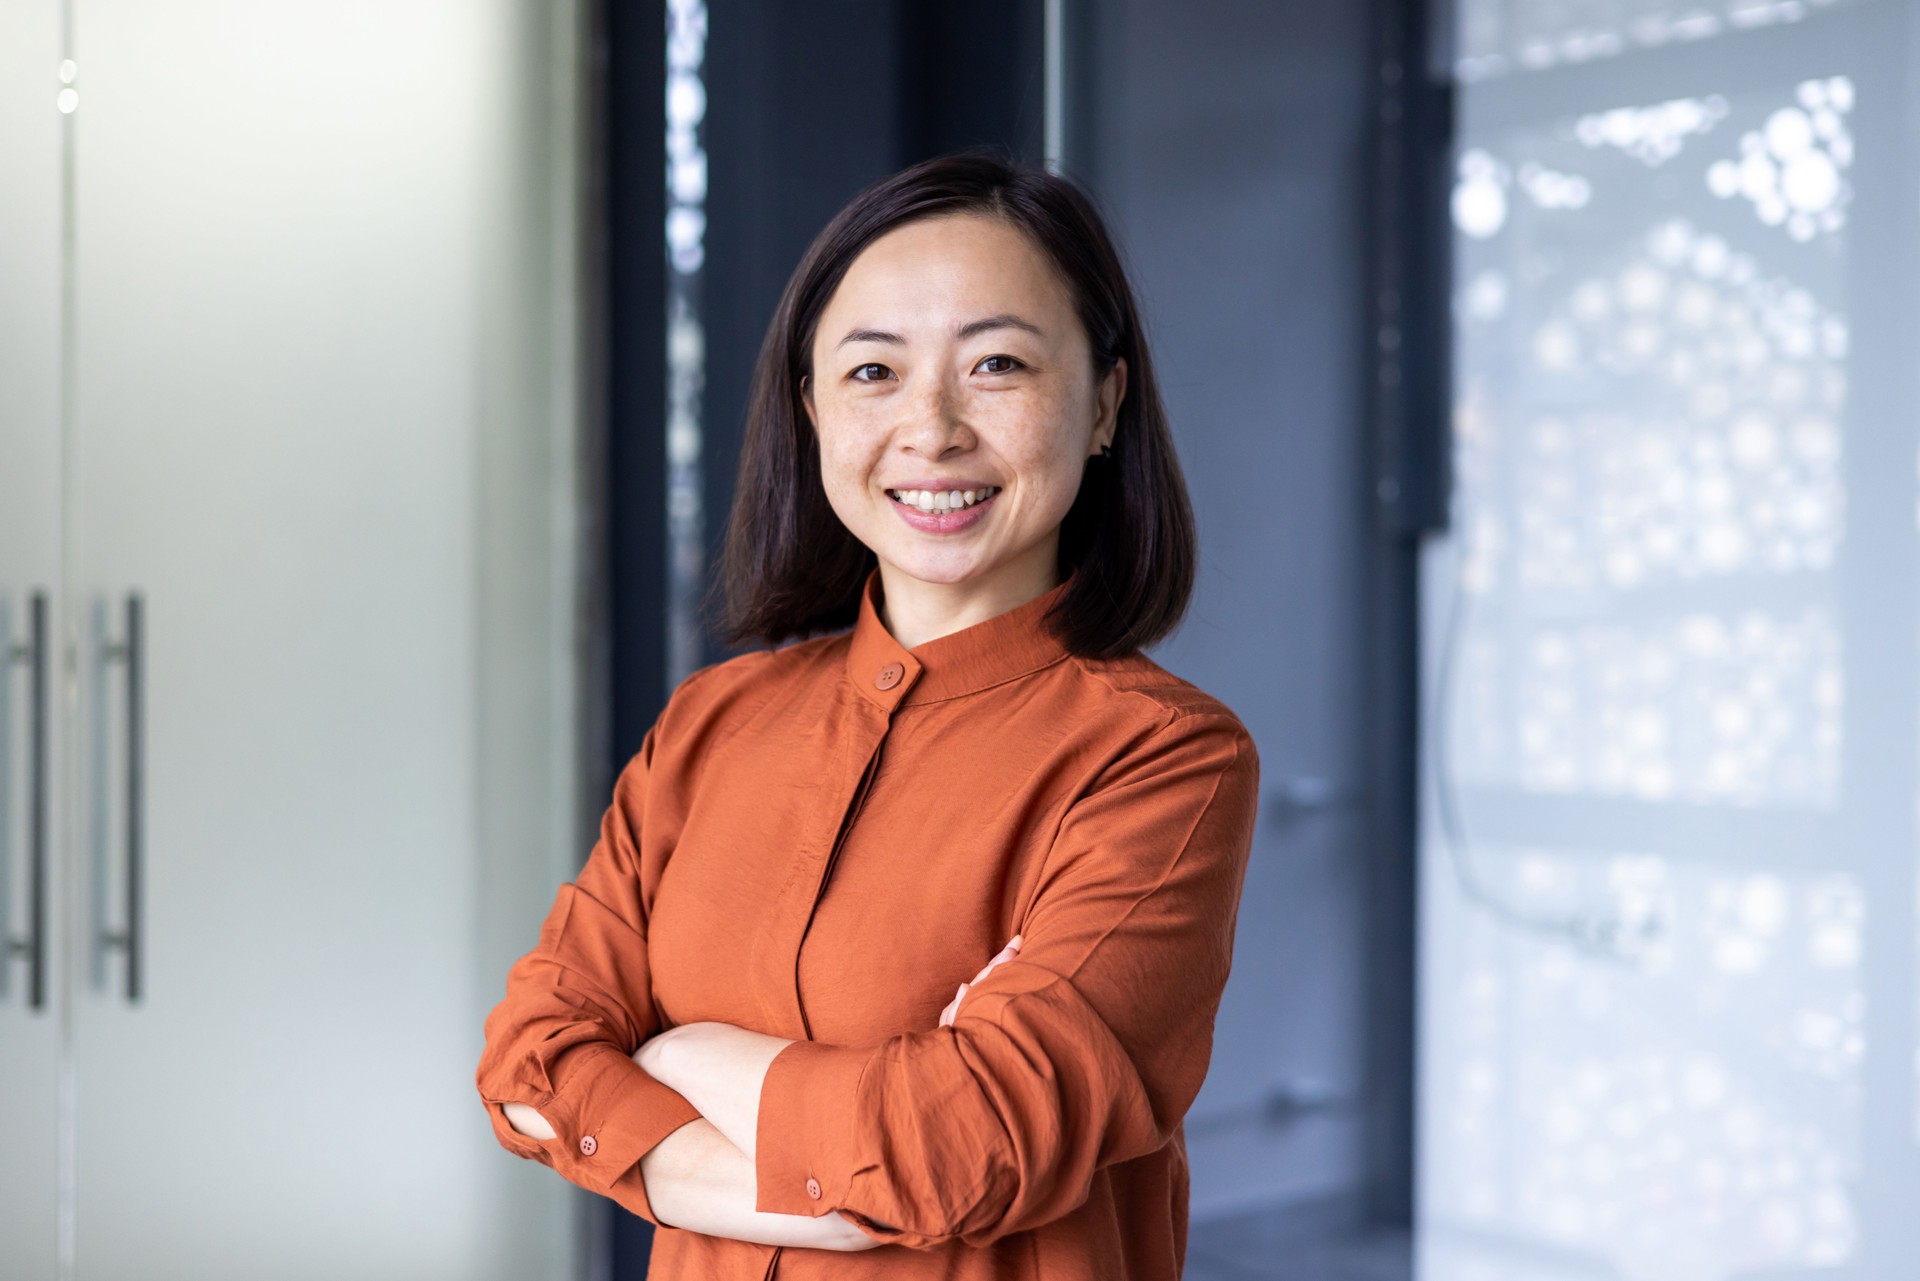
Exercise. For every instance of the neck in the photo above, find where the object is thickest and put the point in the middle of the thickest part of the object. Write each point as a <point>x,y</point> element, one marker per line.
<point>916,611</point>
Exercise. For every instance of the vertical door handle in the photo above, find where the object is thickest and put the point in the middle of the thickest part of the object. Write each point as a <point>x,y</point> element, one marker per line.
<point>34,946</point>
<point>131,651</point>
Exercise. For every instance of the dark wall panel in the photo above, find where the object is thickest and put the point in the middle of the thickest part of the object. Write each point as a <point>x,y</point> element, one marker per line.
<point>1231,146</point>
<point>807,104</point>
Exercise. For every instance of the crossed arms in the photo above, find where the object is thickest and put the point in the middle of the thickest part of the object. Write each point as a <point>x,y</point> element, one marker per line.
<point>1085,1048</point>
<point>701,1176</point>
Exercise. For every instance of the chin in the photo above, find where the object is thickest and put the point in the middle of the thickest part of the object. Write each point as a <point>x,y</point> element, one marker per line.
<point>937,570</point>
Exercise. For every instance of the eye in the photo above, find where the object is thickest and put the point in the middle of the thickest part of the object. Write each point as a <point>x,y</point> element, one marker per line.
<point>861,369</point>
<point>1008,367</point>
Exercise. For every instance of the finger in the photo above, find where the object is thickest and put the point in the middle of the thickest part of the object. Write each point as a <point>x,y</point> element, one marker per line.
<point>1005,954</point>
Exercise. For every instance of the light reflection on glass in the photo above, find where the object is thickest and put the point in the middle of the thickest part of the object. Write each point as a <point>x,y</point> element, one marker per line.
<point>686,227</point>
<point>1687,1110</point>
<point>1502,37</point>
<point>1708,709</point>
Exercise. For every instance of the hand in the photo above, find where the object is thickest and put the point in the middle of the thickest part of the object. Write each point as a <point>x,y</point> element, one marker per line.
<point>527,1121</point>
<point>1007,953</point>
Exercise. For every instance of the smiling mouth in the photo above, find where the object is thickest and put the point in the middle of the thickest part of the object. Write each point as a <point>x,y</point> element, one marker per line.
<point>938,503</point>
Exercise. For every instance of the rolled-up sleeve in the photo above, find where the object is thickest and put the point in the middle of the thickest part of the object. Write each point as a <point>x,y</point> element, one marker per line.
<point>576,1008</point>
<point>1084,1050</point>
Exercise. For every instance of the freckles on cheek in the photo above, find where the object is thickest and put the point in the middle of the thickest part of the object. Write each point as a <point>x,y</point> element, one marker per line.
<point>1040,429</point>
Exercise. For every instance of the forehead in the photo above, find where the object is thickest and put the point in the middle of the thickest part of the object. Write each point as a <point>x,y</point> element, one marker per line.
<point>951,268</point>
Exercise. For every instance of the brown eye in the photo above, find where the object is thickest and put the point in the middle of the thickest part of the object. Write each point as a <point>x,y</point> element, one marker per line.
<point>856,375</point>
<point>1005,368</point>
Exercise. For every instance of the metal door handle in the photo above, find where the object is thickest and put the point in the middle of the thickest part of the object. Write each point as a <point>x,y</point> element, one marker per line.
<point>34,945</point>
<point>131,651</point>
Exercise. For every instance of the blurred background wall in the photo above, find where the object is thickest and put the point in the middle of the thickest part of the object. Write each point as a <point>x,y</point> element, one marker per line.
<point>1668,880</point>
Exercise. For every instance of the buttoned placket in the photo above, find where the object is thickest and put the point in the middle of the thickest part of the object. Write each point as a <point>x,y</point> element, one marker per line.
<point>878,687</point>
<point>878,679</point>
<point>858,735</point>
<point>889,686</point>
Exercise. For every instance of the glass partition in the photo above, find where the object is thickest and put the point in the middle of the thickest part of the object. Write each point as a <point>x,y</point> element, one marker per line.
<point>1669,650</point>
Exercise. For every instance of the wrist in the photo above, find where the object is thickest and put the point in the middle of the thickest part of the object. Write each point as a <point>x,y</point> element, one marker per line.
<point>847,1235</point>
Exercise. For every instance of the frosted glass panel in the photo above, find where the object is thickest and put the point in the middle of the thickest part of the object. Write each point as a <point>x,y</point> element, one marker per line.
<point>1498,37</point>
<point>1668,971</point>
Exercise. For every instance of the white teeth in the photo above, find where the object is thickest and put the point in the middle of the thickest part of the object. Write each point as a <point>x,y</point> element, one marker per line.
<point>935,501</point>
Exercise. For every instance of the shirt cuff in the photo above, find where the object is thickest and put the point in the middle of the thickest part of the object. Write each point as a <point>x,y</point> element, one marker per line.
<point>804,1145</point>
<point>611,1113</point>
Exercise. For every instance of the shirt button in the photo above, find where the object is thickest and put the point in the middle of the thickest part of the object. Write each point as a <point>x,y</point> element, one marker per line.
<point>587,1145</point>
<point>889,676</point>
<point>813,1188</point>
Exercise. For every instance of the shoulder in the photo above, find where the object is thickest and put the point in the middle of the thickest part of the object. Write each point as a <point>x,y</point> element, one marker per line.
<point>1154,696</point>
<point>1149,718</point>
<point>734,690</point>
<point>713,704</point>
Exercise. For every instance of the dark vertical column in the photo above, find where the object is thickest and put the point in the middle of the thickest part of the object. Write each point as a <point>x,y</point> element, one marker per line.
<point>807,104</point>
<point>631,58</point>
<point>802,111</point>
<point>972,75</point>
<point>634,52</point>
<point>1410,409</point>
<point>1082,36</point>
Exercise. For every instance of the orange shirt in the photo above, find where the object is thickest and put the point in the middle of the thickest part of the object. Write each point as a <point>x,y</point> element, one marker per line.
<point>823,842</point>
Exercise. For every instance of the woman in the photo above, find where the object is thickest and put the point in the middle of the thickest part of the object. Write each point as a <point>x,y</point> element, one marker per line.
<point>742,1021</point>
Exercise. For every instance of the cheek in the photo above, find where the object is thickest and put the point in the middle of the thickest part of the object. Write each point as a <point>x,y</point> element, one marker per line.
<point>848,451</point>
<point>1042,438</point>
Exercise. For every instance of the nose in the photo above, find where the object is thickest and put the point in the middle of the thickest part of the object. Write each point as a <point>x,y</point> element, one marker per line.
<point>935,422</point>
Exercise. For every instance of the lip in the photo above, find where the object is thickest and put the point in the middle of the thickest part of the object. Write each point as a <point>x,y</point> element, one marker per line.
<point>942,522</point>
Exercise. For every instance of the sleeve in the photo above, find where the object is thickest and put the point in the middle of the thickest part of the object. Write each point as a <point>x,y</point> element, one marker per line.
<point>1084,1050</point>
<point>576,1008</point>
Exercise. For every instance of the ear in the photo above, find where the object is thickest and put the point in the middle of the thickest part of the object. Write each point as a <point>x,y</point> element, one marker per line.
<point>1112,390</point>
<point>806,402</point>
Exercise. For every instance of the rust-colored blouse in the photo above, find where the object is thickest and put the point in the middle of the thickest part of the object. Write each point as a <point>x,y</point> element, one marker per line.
<point>823,842</point>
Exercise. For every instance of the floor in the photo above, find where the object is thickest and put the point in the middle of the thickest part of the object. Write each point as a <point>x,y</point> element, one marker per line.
<point>1278,1246</point>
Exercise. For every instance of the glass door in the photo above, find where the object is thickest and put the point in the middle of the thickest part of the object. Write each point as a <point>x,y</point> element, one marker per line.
<point>275,591</point>
<point>31,996</point>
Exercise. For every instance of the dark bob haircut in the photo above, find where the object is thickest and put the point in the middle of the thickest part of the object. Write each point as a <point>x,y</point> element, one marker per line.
<point>791,568</point>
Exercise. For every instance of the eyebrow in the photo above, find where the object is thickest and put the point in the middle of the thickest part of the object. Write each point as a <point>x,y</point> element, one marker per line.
<point>968,330</point>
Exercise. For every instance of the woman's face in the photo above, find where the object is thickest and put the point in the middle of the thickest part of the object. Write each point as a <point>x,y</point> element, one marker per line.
<point>949,360</point>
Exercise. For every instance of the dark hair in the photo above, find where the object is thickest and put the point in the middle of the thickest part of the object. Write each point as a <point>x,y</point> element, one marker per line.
<point>791,568</point>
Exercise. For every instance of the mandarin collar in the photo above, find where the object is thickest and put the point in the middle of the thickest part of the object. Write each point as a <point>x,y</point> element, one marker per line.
<point>999,649</point>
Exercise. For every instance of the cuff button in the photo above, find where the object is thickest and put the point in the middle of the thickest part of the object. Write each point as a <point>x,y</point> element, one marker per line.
<point>587,1145</point>
<point>813,1188</point>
